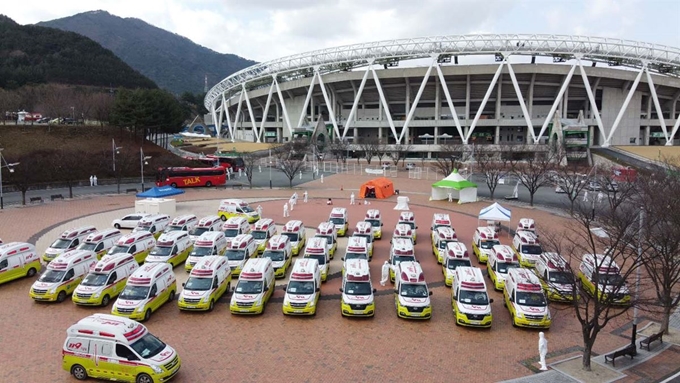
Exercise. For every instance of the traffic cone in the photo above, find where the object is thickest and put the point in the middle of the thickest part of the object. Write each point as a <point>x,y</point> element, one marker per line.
<point>340,187</point>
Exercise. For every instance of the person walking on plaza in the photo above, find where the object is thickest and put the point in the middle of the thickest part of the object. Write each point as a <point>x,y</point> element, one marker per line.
<point>285,210</point>
<point>95,180</point>
<point>259,210</point>
<point>450,197</point>
<point>351,199</point>
<point>91,180</point>
<point>385,273</point>
<point>304,196</point>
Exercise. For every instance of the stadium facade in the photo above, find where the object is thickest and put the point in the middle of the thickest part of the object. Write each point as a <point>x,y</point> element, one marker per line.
<point>516,90</point>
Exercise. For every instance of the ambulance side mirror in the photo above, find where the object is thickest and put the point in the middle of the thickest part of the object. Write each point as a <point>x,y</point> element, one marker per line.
<point>183,284</point>
<point>416,227</point>
<point>342,258</point>
<point>266,288</point>
<point>381,223</point>
<point>318,289</point>
<point>430,293</point>
<point>285,287</point>
<point>490,300</point>
<point>375,291</point>
<point>341,290</point>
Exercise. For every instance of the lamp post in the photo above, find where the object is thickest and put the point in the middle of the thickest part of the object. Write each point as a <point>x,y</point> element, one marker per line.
<point>270,168</point>
<point>116,149</point>
<point>73,114</point>
<point>10,167</point>
<point>143,161</point>
<point>637,279</point>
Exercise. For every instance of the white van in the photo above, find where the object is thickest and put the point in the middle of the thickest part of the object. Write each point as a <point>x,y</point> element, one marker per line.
<point>408,218</point>
<point>527,247</point>
<point>173,247</point>
<point>403,230</point>
<point>357,291</point>
<point>442,236</point>
<point>484,239</point>
<point>357,248</point>
<point>63,275</point>
<point>556,277</point>
<point>208,281</point>
<point>101,242</point>
<point>439,220</point>
<point>206,224</point>
<point>295,230</point>
<point>601,277</point>
<point>147,289</point>
<point>237,208</point>
<point>240,250</point>
<point>456,255</point>
<point>413,297</point>
<point>526,224</point>
<point>68,240</point>
<point>104,346</point>
<point>235,226</point>
<point>316,249</point>
<point>363,229</point>
<point>278,250</point>
<point>18,259</point>
<point>105,280</point>
<point>402,250</point>
<point>264,229</point>
<point>209,243</point>
<point>501,260</point>
<point>138,244</point>
<point>154,224</point>
<point>525,299</point>
<point>327,231</point>
<point>182,223</point>
<point>339,218</point>
<point>303,289</point>
<point>375,219</point>
<point>469,299</point>
<point>255,287</point>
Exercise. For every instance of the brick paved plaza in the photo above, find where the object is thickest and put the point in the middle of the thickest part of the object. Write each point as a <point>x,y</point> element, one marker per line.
<point>218,347</point>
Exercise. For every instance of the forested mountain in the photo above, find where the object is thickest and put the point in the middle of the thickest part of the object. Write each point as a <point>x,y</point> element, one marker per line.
<point>32,54</point>
<point>172,61</point>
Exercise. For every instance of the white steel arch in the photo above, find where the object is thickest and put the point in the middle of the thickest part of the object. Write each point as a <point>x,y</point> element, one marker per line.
<point>645,57</point>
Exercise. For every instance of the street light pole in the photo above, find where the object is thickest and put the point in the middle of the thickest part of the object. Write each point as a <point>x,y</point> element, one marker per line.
<point>143,161</point>
<point>10,167</point>
<point>637,279</point>
<point>270,168</point>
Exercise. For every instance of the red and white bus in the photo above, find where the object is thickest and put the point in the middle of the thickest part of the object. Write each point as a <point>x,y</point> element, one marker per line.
<point>235,163</point>
<point>187,177</point>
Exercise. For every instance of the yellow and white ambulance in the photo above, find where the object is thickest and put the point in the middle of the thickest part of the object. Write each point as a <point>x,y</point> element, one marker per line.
<point>104,346</point>
<point>442,236</point>
<point>338,217</point>
<point>601,277</point>
<point>408,218</point>
<point>411,295</point>
<point>105,280</point>
<point>357,291</point>
<point>263,230</point>
<point>357,248</point>
<point>101,242</point>
<point>469,299</point>
<point>172,247</point>
<point>402,250</point>
<point>484,239</point>
<point>556,277</point>
<point>63,275</point>
<point>525,299</point>
<point>208,281</point>
<point>527,247</point>
<point>439,220</point>
<point>239,251</point>
<point>327,231</point>
<point>526,224</point>
<point>278,250</point>
<point>68,240</point>
<point>295,231</point>
<point>206,224</point>
<point>237,208</point>
<point>303,289</point>
<point>316,249</point>
<point>185,222</point>
<point>17,260</point>
<point>254,288</point>
<point>375,219</point>
<point>138,244</point>
<point>235,226</point>
<point>501,260</point>
<point>403,230</point>
<point>456,255</point>
<point>147,289</point>
<point>154,224</point>
<point>363,230</point>
<point>209,243</point>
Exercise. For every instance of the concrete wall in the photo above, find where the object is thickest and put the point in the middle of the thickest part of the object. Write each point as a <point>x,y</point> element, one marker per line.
<point>629,126</point>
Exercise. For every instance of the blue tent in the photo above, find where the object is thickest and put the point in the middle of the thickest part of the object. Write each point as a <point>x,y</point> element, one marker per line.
<point>159,192</point>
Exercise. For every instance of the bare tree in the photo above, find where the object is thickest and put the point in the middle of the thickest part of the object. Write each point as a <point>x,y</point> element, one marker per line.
<point>9,102</point>
<point>339,149</point>
<point>249,161</point>
<point>69,167</point>
<point>29,171</point>
<point>381,149</point>
<point>102,104</point>
<point>605,295</point>
<point>532,172</point>
<point>571,179</point>
<point>291,160</point>
<point>370,147</point>
<point>449,157</point>
<point>492,165</point>
<point>399,152</point>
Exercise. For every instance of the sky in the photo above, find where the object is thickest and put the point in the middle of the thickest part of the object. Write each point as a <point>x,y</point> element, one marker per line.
<point>264,30</point>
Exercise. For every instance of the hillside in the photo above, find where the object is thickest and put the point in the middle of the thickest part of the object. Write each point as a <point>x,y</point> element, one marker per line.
<point>36,55</point>
<point>174,62</point>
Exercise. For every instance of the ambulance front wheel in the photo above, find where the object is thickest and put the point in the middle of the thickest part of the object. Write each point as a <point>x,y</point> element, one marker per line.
<point>143,378</point>
<point>31,272</point>
<point>208,184</point>
<point>147,315</point>
<point>105,301</point>
<point>79,372</point>
<point>61,297</point>
<point>172,296</point>
<point>212,305</point>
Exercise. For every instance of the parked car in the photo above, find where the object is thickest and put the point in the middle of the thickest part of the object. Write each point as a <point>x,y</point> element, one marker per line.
<point>410,165</point>
<point>593,186</point>
<point>129,221</point>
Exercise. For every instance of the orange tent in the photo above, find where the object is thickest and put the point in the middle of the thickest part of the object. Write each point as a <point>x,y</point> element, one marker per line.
<point>377,188</point>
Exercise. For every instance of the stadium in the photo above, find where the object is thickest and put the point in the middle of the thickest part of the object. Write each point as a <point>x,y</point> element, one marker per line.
<point>524,90</point>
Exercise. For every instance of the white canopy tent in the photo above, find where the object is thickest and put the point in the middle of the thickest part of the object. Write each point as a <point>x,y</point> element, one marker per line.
<point>460,188</point>
<point>494,215</point>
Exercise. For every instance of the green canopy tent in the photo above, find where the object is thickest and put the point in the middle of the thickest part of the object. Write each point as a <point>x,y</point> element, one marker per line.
<point>460,188</point>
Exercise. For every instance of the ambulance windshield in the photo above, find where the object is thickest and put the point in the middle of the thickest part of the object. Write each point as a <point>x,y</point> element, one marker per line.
<point>442,244</point>
<point>61,244</point>
<point>275,256</point>
<point>95,280</point>
<point>369,237</point>
<point>299,287</point>
<point>329,238</point>
<point>148,346</point>
<point>161,251</point>
<point>201,251</point>
<point>198,284</point>
<point>357,288</point>
<point>87,246</point>
<point>473,297</point>
<point>503,267</point>
<point>413,291</point>
<point>135,293</point>
<point>560,277</point>
<point>230,233</point>
<point>410,224</point>
<point>451,264</point>
<point>337,220</point>
<point>174,228</point>
<point>532,249</point>
<point>319,257</point>
<point>259,234</point>
<point>489,244</point>
<point>531,299</point>
<point>373,222</point>
<point>235,255</point>
<point>119,249</point>
<point>294,237</point>
<point>52,276</point>
<point>349,255</point>
<point>397,259</point>
<point>249,287</point>
<point>197,231</point>
<point>247,209</point>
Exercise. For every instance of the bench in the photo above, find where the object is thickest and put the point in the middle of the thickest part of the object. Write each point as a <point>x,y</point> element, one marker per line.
<point>36,200</point>
<point>56,196</point>
<point>645,342</point>
<point>629,350</point>
<point>133,190</point>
